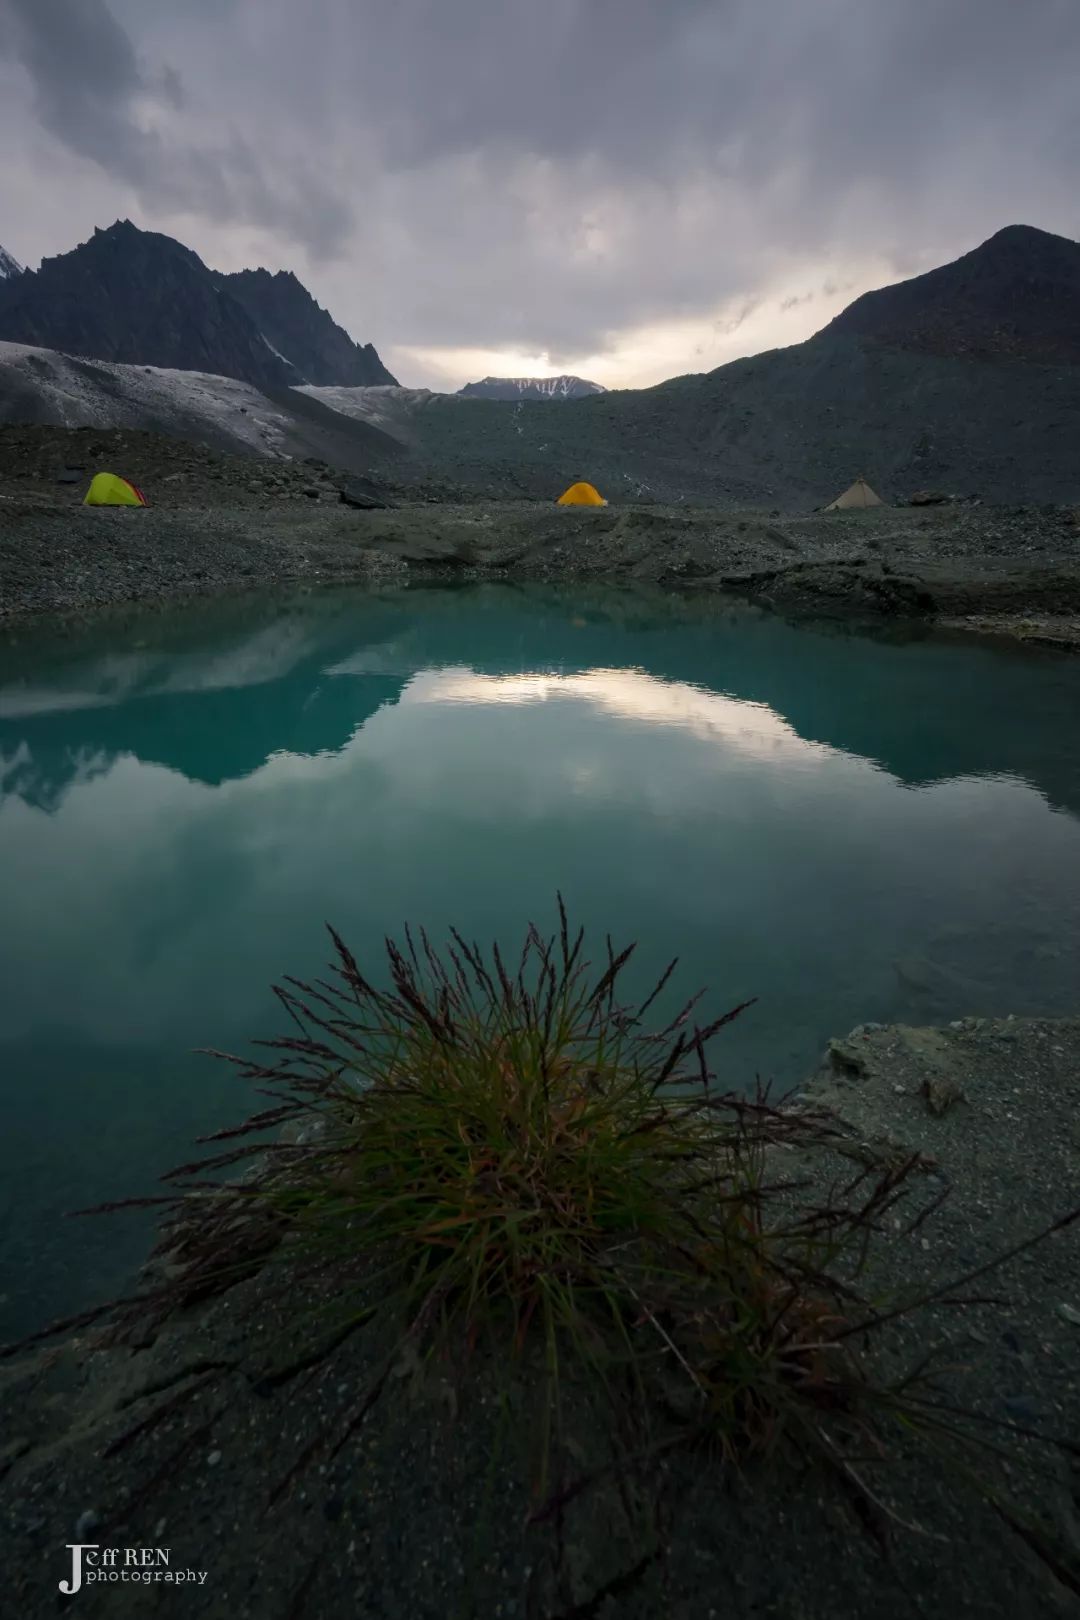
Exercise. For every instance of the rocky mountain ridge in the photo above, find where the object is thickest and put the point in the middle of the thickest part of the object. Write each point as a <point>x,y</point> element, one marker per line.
<point>299,328</point>
<point>140,298</point>
<point>972,392</point>
<point>993,419</point>
<point>1017,296</point>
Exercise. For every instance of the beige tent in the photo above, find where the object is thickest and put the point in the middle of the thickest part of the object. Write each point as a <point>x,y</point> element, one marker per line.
<point>860,494</point>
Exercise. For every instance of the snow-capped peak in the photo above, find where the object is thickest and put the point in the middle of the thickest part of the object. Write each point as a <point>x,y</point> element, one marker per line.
<point>532,388</point>
<point>9,267</point>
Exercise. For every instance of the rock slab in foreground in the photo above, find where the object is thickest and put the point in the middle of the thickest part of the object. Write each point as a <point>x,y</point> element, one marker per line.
<point>217,1411</point>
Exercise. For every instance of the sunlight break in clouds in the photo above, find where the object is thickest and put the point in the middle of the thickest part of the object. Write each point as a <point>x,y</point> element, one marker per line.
<point>628,190</point>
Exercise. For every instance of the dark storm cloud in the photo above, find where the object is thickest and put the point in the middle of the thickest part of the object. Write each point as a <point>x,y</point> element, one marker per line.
<point>550,173</point>
<point>868,85</point>
<point>92,93</point>
<point>707,139</point>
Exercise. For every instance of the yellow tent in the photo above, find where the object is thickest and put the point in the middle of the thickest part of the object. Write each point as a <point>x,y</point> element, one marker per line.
<point>581,495</point>
<point>859,495</point>
<point>108,490</point>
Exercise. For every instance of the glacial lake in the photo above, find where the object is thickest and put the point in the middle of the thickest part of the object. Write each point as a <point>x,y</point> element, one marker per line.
<point>847,827</point>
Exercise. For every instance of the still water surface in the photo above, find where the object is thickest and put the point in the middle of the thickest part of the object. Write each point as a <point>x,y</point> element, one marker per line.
<point>845,827</point>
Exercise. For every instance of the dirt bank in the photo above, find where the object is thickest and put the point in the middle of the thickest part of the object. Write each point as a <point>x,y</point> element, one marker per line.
<point>181,1444</point>
<point>1014,572</point>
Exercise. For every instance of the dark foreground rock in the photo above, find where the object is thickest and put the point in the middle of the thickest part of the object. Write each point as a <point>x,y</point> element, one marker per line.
<point>192,1443</point>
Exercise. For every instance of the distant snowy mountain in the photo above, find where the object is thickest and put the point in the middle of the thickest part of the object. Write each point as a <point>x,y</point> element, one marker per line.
<point>9,267</point>
<point>531,388</point>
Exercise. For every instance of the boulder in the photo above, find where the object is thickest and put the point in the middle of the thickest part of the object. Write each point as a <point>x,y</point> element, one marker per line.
<point>360,493</point>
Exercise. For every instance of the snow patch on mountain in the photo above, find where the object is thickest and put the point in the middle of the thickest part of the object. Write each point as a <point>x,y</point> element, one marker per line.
<point>277,352</point>
<point>378,403</point>
<point>9,267</point>
<point>41,385</point>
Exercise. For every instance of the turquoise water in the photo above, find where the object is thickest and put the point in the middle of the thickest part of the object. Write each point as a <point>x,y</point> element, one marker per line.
<point>847,828</point>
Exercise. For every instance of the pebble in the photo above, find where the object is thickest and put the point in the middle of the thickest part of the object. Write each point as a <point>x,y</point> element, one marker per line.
<point>213,1459</point>
<point>1070,1314</point>
<point>86,1523</point>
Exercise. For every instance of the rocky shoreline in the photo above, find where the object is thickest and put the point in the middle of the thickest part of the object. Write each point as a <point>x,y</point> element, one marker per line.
<point>996,571</point>
<point>179,1443</point>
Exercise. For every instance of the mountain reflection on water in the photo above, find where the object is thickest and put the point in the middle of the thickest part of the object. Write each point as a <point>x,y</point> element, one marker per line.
<point>221,688</point>
<point>846,827</point>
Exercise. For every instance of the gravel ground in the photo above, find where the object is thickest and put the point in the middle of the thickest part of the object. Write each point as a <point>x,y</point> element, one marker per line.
<point>422,1512</point>
<point>220,522</point>
<point>1011,571</point>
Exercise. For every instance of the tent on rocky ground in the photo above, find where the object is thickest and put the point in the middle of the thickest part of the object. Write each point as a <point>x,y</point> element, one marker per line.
<point>106,489</point>
<point>581,495</point>
<point>859,495</point>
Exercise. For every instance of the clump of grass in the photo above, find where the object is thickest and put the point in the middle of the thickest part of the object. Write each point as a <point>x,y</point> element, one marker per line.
<point>509,1156</point>
<point>520,1160</point>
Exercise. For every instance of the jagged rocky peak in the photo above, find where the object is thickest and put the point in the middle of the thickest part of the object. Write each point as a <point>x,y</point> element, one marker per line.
<point>531,388</point>
<point>141,298</point>
<point>297,326</point>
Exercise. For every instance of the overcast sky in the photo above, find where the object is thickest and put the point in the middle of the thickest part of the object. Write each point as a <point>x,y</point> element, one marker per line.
<point>628,189</point>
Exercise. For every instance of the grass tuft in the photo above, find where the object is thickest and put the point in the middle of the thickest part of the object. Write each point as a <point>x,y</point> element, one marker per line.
<point>515,1161</point>
<point>523,1163</point>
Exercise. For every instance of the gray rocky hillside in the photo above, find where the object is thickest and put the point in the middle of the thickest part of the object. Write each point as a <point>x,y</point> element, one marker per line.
<point>878,392</point>
<point>1016,297</point>
<point>965,381</point>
